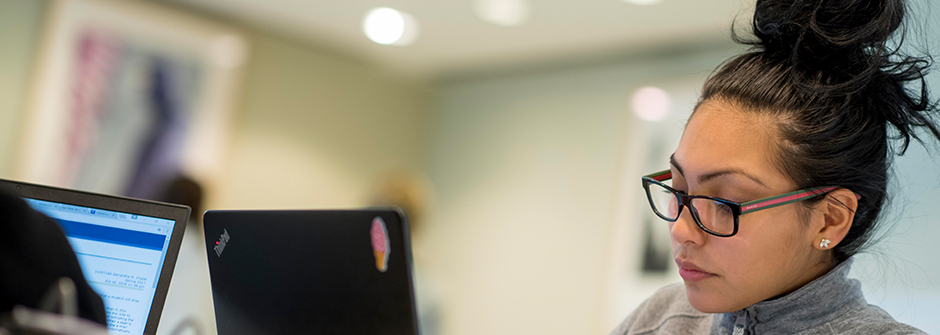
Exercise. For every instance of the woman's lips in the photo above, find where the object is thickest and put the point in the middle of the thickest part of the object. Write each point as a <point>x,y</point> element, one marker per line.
<point>690,272</point>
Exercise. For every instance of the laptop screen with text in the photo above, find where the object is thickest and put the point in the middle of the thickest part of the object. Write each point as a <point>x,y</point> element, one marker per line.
<point>121,255</point>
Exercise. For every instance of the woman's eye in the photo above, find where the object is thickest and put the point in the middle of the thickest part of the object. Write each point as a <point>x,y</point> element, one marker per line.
<point>723,208</point>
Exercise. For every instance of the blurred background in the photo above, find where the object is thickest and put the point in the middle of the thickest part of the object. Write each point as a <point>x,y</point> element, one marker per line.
<point>514,132</point>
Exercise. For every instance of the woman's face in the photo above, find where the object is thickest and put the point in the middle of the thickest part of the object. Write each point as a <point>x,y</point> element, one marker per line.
<point>727,153</point>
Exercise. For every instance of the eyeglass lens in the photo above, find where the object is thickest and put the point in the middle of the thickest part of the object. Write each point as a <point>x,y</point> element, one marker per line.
<point>664,201</point>
<point>714,215</point>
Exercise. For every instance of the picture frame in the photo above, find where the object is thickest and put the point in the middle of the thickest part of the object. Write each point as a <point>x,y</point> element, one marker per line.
<point>73,134</point>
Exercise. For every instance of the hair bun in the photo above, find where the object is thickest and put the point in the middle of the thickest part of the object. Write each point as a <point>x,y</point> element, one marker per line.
<point>835,53</point>
<point>847,35</point>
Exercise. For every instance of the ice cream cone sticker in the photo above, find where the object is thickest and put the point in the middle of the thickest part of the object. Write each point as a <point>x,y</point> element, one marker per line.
<point>380,245</point>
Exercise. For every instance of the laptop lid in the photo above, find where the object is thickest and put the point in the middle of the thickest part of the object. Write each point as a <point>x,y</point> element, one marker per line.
<point>127,248</point>
<point>311,272</point>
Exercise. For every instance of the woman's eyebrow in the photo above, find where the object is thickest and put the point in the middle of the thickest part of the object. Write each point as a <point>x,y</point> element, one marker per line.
<point>712,175</point>
<point>672,160</point>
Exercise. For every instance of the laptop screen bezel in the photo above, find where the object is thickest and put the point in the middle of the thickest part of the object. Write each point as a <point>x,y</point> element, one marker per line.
<point>178,213</point>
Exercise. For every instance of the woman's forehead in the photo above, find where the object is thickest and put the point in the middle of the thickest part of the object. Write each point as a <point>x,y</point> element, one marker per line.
<point>721,137</point>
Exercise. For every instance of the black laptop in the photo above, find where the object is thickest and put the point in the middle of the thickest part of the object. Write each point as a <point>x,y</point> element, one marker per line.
<point>311,272</point>
<point>127,248</point>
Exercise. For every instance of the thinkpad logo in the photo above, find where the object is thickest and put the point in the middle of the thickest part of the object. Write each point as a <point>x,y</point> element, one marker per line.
<point>220,244</point>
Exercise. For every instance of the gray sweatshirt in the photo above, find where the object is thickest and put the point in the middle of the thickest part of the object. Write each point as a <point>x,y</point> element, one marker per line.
<point>831,304</point>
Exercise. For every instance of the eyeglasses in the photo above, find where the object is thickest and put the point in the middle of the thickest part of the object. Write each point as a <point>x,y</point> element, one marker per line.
<point>715,216</point>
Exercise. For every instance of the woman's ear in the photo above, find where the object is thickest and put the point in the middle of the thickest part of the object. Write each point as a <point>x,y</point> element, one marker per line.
<point>838,211</point>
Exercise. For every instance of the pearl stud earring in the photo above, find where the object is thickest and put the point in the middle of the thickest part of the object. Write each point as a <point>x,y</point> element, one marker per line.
<point>824,243</point>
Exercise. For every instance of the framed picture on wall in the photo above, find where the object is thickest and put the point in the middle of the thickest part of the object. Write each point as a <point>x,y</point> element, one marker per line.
<point>129,96</point>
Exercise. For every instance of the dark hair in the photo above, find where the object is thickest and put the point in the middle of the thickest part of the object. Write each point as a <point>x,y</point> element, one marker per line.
<point>825,72</point>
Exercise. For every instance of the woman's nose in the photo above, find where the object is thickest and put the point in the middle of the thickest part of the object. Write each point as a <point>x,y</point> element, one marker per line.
<point>685,231</point>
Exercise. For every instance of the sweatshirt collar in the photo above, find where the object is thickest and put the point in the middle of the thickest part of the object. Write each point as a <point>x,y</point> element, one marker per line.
<point>816,303</point>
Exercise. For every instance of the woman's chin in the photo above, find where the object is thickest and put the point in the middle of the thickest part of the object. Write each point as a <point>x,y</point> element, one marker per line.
<point>709,301</point>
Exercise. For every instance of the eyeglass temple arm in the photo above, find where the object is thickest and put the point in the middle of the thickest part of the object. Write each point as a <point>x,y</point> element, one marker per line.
<point>660,176</point>
<point>787,198</point>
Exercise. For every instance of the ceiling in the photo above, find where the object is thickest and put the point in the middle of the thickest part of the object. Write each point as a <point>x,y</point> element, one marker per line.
<point>453,40</point>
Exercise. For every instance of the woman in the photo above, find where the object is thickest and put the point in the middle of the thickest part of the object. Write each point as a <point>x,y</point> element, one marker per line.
<point>781,172</point>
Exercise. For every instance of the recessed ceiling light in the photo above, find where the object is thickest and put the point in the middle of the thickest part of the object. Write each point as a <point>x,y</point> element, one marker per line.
<point>651,104</point>
<point>643,2</point>
<point>507,13</point>
<point>387,26</point>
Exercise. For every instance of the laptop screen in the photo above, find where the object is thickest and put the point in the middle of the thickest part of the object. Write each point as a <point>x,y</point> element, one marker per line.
<point>121,255</point>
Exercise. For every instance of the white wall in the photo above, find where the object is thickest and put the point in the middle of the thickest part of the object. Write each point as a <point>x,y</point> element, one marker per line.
<point>526,169</point>
<point>316,129</point>
<point>20,22</point>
